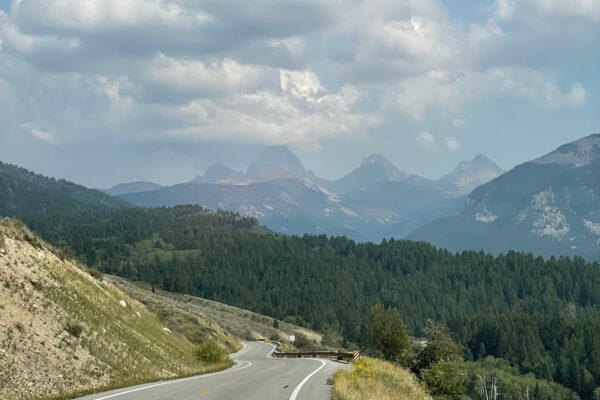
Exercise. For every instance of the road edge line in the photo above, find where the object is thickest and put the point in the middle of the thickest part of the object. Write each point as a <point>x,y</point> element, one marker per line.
<point>297,389</point>
<point>175,381</point>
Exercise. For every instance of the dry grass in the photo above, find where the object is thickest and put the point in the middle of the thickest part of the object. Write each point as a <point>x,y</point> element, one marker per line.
<point>177,310</point>
<point>64,332</point>
<point>372,379</point>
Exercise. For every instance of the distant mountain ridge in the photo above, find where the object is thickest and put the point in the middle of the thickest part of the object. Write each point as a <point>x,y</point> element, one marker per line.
<point>132,187</point>
<point>550,205</point>
<point>374,201</point>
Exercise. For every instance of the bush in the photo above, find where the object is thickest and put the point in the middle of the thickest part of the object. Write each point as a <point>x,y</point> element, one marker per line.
<point>98,275</point>
<point>301,340</point>
<point>74,329</point>
<point>446,379</point>
<point>210,352</point>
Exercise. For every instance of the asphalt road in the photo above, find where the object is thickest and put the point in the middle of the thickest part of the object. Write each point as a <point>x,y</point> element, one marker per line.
<point>256,376</point>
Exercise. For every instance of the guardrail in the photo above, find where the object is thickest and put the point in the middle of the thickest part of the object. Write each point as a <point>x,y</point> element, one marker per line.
<point>340,355</point>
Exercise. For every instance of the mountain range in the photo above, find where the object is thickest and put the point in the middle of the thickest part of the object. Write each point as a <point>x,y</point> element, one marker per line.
<point>374,201</point>
<point>550,205</point>
<point>547,206</point>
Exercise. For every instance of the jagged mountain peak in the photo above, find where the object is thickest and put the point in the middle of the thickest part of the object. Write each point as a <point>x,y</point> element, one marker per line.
<point>380,162</point>
<point>276,157</point>
<point>470,174</point>
<point>217,172</point>
<point>576,154</point>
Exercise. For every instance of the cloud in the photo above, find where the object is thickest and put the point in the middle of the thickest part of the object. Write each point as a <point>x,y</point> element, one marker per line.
<point>426,140</point>
<point>299,111</point>
<point>458,122</point>
<point>558,9</point>
<point>284,71</point>
<point>451,143</point>
<point>216,77</point>
<point>38,133</point>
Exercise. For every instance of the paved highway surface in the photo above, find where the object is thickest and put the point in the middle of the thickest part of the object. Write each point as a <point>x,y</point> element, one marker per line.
<point>256,376</point>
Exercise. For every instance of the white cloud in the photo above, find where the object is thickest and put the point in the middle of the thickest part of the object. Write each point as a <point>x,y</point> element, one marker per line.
<point>426,140</point>
<point>593,227</point>
<point>215,77</point>
<point>582,9</point>
<point>91,15</point>
<point>451,143</point>
<point>38,133</point>
<point>458,122</point>
<point>448,92</point>
<point>300,111</point>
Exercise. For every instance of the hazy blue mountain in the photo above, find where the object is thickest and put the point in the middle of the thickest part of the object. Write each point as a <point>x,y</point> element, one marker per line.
<point>550,205</point>
<point>294,205</point>
<point>131,187</point>
<point>374,168</point>
<point>470,174</point>
<point>68,189</point>
<point>217,173</point>
<point>373,202</point>
<point>279,158</point>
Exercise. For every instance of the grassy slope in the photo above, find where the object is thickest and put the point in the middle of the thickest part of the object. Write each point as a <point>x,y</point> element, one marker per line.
<point>43,297</point>
<point>184,314</point>
<point>372,379</point>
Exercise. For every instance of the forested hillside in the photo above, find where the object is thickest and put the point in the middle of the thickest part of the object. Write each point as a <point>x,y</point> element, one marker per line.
<point>23,191</point>
<point>331,283</point>
<point>18,197</point>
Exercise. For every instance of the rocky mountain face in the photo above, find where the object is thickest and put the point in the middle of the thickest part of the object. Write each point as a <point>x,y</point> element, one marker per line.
<point>550,205</point>
<point>374,201</point>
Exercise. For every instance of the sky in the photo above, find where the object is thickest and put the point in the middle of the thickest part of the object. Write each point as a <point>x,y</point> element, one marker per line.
<point>103,92</point>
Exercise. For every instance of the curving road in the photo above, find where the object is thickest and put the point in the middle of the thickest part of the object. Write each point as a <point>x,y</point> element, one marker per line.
<point>256,376</point>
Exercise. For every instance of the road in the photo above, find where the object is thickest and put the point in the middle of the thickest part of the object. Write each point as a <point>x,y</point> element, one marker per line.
<point>256,376</point>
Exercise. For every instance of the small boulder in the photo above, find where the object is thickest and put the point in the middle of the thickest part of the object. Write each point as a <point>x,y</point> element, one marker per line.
<point>122,303</point>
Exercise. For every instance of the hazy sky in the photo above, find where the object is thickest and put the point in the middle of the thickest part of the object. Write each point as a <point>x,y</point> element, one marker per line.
<point>102,92</point>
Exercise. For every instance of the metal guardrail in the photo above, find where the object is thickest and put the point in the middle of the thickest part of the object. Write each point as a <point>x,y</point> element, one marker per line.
<point>340,355</point>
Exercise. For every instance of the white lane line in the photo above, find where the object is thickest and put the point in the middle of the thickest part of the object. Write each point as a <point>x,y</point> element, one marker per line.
<point>270,354</point>
<point>244,349</point>
<point>175,381</point>
<point>297,389</point>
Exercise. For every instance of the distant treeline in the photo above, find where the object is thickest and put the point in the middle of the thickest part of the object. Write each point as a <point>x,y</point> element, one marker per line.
<point>331,283</point>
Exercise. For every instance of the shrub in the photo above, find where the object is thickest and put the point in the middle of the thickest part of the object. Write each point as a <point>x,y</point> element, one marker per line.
<point>447,379</point>
<point>301,340</point>
<point>20,327</point>
<point>98,275</point>
<point>210,352</point>
<point>74,329</point>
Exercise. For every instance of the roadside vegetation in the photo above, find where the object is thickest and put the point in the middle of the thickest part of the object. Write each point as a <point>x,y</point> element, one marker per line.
<point>436,370</point>
<point>373,379</point>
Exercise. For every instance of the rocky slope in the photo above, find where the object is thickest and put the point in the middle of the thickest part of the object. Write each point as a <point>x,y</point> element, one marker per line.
<point>63,331</point>
<point>550,205</point>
